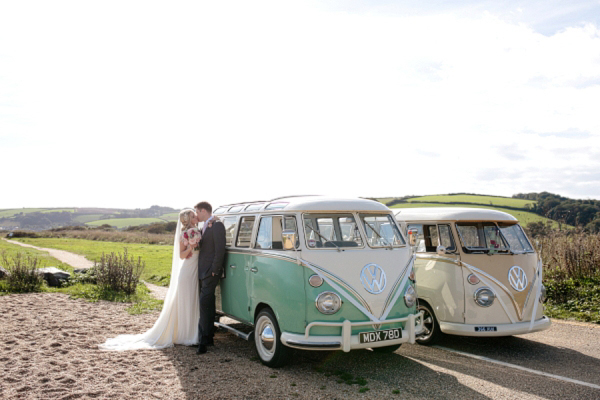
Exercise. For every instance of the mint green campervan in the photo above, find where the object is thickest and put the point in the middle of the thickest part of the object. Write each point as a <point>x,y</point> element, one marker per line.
<point>317,273</point>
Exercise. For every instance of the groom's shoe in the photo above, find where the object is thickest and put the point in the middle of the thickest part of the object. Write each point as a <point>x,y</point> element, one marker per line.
<point>201,349</point>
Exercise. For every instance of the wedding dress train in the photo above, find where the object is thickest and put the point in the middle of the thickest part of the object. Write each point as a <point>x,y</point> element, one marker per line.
<point>178,320</point>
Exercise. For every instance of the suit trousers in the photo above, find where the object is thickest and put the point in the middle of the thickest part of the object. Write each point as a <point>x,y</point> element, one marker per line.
<point>207,309</point>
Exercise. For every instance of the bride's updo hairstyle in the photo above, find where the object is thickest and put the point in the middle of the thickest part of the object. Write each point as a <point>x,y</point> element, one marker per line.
<point>185,217</point>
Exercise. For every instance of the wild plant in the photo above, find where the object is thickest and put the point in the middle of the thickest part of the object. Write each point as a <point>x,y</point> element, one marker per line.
<point>119,272</point>
<point>23,276</point>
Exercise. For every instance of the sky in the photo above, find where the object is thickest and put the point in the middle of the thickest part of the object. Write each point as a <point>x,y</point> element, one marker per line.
<point>128,104</point>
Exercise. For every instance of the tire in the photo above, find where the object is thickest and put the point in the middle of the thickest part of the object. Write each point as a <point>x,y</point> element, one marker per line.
<point>267,339</point>
<point>386,349</point>
<point>432,329</point>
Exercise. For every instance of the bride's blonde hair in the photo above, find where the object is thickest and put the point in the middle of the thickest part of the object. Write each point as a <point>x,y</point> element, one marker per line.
<point>185,217</point>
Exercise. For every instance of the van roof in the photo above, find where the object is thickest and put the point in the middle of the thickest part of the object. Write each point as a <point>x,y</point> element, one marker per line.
<point>452,214</point>
<point>309,203</point>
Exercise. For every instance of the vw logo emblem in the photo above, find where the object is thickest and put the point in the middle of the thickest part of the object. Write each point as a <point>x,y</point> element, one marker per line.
<point>373,278</point>
<point>517,278</point>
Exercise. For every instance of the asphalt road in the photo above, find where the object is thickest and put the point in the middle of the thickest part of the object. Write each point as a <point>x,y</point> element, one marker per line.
<point>561,362</point>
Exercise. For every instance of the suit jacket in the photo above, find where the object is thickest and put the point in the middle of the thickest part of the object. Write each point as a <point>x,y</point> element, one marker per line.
<point>212,251</point>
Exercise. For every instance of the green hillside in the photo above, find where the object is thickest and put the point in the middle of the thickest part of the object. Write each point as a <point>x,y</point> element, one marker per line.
<point>524,217</point>
<point>125,222</point>
<point>474,199</point>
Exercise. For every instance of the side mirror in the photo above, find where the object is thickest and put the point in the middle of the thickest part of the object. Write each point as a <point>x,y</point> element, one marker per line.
<point>440,250</point>
<point>412,237</point>
<point>288,237</point>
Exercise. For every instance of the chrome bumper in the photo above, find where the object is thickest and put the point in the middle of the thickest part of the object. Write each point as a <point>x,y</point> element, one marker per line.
<point>413,328</point>
<point>519,328</point>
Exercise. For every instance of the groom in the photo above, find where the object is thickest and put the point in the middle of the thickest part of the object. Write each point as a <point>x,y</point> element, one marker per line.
<point>210,268</point>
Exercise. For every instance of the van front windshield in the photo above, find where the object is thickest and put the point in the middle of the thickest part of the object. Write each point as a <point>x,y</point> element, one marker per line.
<point>482,237</point>
<point>331,231</point>
<point>516,238</point>
<point>381,231</point>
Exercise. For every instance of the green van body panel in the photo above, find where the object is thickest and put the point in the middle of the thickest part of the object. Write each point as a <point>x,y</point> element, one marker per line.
<point>235,300</point>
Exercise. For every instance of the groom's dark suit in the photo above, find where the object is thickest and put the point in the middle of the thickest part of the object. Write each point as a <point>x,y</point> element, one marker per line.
<point>210,268</point>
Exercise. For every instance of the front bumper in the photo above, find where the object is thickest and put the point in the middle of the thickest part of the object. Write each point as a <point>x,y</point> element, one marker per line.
<point>413,327</point>
<point>502,329</point>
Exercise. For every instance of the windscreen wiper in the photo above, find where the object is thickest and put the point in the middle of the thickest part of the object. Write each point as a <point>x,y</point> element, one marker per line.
<point>321,236</point>
<point>378,235</point>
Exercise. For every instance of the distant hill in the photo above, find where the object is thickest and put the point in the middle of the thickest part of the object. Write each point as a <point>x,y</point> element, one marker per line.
<point>527,208</point>
<point>38,219</point>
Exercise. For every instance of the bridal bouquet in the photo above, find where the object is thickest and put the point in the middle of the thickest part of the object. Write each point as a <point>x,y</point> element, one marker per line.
<point>192,236</point>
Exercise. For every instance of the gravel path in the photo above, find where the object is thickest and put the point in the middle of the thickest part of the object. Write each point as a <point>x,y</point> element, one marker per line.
<point>74,260</point>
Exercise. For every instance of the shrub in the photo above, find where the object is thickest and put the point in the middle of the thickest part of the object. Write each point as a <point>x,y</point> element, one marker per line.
<point>23,276</point>
<point>24,234</point>
<point>119,272</point>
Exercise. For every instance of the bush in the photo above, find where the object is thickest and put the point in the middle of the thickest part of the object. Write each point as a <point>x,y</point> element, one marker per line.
<point>119,272</point>
<point>23,276</point>
<point>24,234</point>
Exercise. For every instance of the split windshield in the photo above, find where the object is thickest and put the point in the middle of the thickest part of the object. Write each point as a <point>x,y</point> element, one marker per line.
<point>487,237</point>
<point>342,230</point>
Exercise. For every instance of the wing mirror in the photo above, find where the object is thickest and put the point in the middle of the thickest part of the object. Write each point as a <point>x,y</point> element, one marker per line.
<point>440,250</point>
<point>413,234</point>
<point>288,237</point>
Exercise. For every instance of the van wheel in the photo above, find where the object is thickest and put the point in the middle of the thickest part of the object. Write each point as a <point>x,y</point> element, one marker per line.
<point>386,349</point>
<point>432,331</point>
<point>271,351</point>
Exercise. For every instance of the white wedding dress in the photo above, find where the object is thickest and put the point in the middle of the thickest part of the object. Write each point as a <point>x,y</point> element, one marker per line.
<point>178,320</point>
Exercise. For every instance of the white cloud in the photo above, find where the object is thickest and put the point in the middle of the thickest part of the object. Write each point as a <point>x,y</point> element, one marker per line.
<point>269,99</point>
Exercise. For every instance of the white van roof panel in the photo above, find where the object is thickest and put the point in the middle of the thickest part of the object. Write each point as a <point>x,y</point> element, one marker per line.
<point>322,203</point>
<point>452,214</point>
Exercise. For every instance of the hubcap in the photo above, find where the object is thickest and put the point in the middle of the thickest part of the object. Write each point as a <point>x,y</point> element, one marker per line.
<point>267,337</point>
<point>428,324</point>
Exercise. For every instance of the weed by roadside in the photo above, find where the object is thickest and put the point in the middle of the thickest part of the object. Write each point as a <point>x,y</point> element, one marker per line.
<point>22,274</point>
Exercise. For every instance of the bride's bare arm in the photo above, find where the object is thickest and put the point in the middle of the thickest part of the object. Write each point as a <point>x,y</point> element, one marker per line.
<point>184,251</point>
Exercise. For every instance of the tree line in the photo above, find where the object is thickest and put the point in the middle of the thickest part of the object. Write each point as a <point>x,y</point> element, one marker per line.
<point>580,213</point>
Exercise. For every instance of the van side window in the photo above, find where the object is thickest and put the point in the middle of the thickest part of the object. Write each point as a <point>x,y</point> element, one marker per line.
<point>270,231</point>
<point>289,224</point>
<point>230,225</point>
<point>245,232</point>
<point>264,239</point>
<point>428,238</point>
<point>446,237</point>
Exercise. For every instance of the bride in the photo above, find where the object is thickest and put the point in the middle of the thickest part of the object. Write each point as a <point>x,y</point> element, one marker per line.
<point>178,320</point>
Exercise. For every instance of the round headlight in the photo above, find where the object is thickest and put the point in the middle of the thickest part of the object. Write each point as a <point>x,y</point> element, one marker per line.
<point>484,297</point>
<point>410,296</point>
<point>543,294</point>
<point>328,303</point>
<point>315,280</point>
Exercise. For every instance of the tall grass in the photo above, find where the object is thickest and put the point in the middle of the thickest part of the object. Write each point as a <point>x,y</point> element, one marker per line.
<point>119,272</point>
<point>572,274</point>
<point>570,255</point>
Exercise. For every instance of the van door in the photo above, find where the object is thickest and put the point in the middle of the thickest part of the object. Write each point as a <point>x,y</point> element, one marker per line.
<point>235,293</point>
<point>439,278</point>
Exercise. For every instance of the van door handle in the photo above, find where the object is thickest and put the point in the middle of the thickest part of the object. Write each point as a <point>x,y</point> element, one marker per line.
<point>254,269</point>
<point>232,266</point>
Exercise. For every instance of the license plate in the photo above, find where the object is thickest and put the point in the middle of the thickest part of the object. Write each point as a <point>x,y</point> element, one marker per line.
<point>486,329</point>
<point>380,336</point>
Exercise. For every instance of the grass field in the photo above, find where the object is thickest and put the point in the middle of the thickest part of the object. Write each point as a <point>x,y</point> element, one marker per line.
<point>170,216</point>
<point>524,217</point>
<point>88,218</point>
<point>47,261</point>
<point>11,212</point>
<point>71,210</point>
<point>158,258</point>
<point>476,199</point>
<point>124,222</point>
